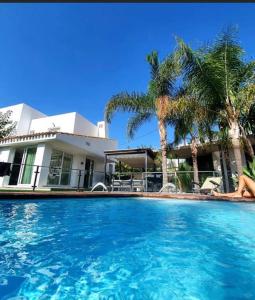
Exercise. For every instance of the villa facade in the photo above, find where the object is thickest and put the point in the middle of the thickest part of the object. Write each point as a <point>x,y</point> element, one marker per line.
<point>68,149</point>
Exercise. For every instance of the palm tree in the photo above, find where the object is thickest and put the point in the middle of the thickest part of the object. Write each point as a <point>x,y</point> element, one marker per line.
<point>154,103</point>
<point>224,82</point>
<point>191,121</point>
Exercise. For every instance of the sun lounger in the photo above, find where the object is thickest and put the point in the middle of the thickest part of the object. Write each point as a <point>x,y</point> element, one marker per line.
<point>209,185</point>
<point>169,188</point>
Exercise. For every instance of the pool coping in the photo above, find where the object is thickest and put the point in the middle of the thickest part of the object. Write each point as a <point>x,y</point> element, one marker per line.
<point>71,194</point>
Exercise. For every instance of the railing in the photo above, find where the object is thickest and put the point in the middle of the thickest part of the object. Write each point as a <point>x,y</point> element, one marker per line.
<point>38,176</point>
<point>33,176</point>
<point>178,181</point>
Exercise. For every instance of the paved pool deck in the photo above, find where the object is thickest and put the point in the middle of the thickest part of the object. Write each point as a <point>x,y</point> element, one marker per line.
<point>73,194</point>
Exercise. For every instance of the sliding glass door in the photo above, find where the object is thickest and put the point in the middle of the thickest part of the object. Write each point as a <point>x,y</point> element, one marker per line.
<point>16,166</point>
<point>28,166</point>
<point>66,169</point>
<point>55,167</point>
<point>89,170</point>
<point>23,166</point>
<point>60,168</point>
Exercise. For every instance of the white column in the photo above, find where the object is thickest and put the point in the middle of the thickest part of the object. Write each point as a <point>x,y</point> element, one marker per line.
<point>6,155</point>
<point>78,164</point>
<point>42,159</point>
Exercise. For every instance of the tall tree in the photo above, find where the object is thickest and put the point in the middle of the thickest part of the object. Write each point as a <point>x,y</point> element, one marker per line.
<point>223,81</point>
<point>193,122</point>
<point>6,125</point>
<point>154,103</point>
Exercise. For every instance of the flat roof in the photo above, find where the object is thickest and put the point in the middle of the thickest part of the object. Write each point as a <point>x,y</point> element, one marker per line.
<point>149,151</point>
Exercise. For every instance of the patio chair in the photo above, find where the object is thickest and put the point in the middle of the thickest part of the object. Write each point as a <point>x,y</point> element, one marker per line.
<point>209,185</point>
<point>122,185</point>
<point>138,185</point>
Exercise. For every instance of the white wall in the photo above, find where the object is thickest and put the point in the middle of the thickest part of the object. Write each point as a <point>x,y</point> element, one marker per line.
<point>63,123</point>
<point>23,115</point>
<point>84,127</point>
<point>90,145</point>
<point>42,158</point>
<point>70,123</point>
<point>98,172</point>
<point>103,129</point>
<point>77,159</point>
<point>30,120</point>
<point>6,155</point>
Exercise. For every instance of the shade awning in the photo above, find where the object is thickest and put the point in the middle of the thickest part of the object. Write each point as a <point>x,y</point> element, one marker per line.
<point>135,158</point>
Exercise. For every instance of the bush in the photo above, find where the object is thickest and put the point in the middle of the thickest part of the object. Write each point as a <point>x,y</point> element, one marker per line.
<point>184,179</point>
<point>250,170</point>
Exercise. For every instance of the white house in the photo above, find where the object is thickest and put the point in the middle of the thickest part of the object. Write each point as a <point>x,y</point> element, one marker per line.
<point>68,149</point>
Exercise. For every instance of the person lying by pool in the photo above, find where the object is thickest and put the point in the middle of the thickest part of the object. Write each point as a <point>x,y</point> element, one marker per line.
<point>246,188</point>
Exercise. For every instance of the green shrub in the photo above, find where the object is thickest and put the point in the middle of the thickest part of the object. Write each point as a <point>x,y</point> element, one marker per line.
<point>250,170</point>
<point>184,179</point>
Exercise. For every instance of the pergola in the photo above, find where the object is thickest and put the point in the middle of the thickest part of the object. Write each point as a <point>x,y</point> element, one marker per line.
<point>135,158</point>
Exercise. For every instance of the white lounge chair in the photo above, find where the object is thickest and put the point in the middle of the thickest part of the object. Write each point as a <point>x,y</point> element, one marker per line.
<point>209,185</point>
<point>169,188</point>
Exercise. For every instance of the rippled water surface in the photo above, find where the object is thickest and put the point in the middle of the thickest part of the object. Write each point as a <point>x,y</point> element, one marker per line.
<point>126,249</point>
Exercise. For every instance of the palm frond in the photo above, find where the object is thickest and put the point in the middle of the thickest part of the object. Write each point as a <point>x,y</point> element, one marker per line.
<point>153,60</point>
<point>164,76</point>
<point>128,102</point>
<point>168,71</point>
<point>226,57</point>
<point>181,130</point>
<point>136,121</point>
<point>197,72</point>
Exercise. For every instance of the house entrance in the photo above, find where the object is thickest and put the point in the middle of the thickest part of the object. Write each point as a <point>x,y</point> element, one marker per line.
<point>16,166</point>
<point>23,163</point>
<point>89,169</point>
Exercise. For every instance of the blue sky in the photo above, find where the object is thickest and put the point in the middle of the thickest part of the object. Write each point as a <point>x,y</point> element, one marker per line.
<point>73,57</point>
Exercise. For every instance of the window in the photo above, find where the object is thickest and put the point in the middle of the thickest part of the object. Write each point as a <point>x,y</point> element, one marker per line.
<point>60,168</point>
<point>66,169</point>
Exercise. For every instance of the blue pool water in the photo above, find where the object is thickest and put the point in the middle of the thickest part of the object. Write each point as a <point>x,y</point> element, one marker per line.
<point>127,249</point>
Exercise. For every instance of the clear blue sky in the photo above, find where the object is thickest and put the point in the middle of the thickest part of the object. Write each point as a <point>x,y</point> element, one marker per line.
<point>74,57</point>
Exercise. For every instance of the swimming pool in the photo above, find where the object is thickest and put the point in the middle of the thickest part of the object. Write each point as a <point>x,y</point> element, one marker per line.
<point>126,249</point>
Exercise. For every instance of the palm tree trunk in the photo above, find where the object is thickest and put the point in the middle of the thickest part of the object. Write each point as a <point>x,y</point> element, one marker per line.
<point>247,142</point>
<point>193,146</point>
<point>163,144</point>
<point>234,134</point>
<point>231,186</point>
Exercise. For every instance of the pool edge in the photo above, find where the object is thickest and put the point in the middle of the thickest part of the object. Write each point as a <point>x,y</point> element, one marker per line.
<point>70,194</point>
